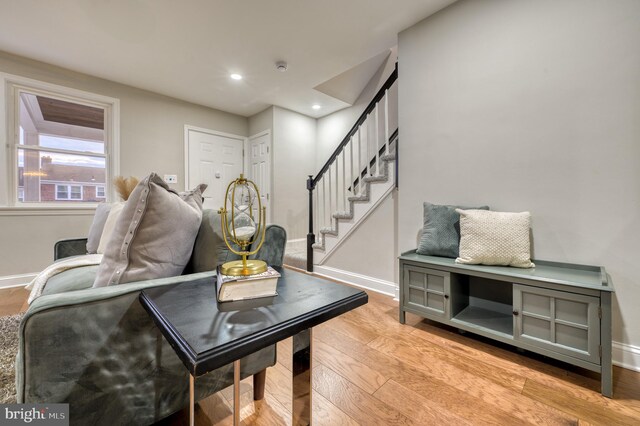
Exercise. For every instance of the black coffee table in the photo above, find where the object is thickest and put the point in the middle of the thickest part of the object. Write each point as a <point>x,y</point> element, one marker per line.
<point>207,335</point>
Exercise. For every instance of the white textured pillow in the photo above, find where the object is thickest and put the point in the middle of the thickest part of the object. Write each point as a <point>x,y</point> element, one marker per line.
<point>495,238</point>
<point>97,227</point>
<point>109,226</point>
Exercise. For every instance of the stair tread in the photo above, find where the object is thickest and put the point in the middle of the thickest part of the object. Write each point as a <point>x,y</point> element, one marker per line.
<point>388,157</point>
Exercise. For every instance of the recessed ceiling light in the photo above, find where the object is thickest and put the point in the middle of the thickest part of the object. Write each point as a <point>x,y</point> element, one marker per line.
<point>236,76</point>
<point>316,106</point>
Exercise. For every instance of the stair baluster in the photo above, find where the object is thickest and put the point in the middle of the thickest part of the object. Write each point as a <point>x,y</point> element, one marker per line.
<point>352,180</point>
<point>386,121</point>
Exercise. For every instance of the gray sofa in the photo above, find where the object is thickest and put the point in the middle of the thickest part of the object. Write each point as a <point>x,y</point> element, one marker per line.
<point>98,350</point>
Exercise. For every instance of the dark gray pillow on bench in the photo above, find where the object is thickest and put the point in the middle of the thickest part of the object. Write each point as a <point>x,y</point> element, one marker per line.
<point>441,230</point>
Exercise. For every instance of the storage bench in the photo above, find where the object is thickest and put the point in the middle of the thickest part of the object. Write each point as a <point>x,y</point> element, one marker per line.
<point>559,310</point>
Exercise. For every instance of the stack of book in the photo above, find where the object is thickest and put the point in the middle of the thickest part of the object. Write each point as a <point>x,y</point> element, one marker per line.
<point>231,288</point>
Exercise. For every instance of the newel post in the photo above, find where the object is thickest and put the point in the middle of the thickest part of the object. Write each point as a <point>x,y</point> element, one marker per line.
<point>311,238</point>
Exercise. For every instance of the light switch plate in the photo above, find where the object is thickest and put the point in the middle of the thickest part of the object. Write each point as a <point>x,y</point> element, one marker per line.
<point>171,178</point>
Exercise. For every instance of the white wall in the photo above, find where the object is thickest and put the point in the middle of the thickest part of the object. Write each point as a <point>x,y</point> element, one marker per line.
<point>293,160</point>
<point>370,249</point>
<point>530,105</point>
<point>151,139</point>
<point>261,121</point>
<point>333,128</point>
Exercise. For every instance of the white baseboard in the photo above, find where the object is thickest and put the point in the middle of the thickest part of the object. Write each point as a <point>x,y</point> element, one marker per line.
<point>369,283</point>
<point>16,280</point>
<point>296,240</point>
<point>626,356</point>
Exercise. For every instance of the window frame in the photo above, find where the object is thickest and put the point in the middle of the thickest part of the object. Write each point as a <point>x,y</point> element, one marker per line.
<point>10,88</point>
<point>104,191</point>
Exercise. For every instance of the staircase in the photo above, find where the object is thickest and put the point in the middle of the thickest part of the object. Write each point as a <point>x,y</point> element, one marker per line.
<point>358,175</point>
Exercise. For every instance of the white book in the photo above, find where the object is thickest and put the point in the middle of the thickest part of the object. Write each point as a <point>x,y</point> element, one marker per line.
<point>231,288</point>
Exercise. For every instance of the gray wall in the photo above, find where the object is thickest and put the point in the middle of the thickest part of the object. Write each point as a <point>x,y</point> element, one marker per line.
<point>293,160</point>
<point>530,105</point>
<point>151,139</point>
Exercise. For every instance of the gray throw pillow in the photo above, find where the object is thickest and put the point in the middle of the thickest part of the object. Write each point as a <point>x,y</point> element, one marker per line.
<point>210,250</point>
<point>441,230</point>
<point>95,231</point>
<point>154,234</point>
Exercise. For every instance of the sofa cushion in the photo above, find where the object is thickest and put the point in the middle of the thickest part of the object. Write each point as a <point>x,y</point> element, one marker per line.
<point>495,238</point>
<point>441,230</point>
<point>154,235</point>
<point>95,231</point>
<point>71,280</point>
<point>209,249</point>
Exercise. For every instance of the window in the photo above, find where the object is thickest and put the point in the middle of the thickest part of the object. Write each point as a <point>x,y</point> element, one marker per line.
<point>66,145</point>
<point>68,192</point>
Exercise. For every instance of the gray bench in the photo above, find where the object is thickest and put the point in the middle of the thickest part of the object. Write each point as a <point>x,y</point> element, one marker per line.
<point>559,310</point>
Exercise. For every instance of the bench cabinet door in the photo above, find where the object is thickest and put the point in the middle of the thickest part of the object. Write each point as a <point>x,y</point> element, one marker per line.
<point>426,290</point>
<point>566,323</point>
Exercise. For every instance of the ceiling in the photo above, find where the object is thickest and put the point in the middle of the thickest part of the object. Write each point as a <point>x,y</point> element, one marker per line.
<point>187,49</point>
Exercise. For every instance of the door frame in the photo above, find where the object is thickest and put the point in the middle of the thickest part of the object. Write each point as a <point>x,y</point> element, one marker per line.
<point>187,128</point>
<point>270,159</point>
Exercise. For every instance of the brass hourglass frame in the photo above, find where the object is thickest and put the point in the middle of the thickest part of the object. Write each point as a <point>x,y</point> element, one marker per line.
<point>242,267</point>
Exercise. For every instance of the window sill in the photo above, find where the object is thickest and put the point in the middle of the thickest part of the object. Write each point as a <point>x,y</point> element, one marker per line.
<point>49,211</point>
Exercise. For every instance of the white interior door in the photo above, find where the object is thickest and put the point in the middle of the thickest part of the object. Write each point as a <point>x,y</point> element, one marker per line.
<point>215,159</point>
<point>260,167</point>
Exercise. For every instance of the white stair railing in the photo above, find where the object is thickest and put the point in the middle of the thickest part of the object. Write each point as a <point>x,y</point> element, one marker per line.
<point>361,159</point>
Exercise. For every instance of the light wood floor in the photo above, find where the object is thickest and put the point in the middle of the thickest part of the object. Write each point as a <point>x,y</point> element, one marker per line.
<point>370,370</point>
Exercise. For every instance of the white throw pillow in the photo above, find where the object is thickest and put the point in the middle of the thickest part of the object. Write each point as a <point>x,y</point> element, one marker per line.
<point>495,238</point>
<point>97,227</point>
<point>109,226</point>
<point>154,235</point>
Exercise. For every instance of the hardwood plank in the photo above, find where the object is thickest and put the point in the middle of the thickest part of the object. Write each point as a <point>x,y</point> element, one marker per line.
<point>246,386</point>
<point>378,318</point>
<point>437,391</point>
<point>284,352</point>
<point>324,413</point>
<point>359,405</point>
<point>351,328</point>
<point>626,387</point>
<point>418,407</point>
<point>476,348</point>
<point>213,410</point>
<point>490,402</point>
<point>13,300</point>
<point>485,403</point>
<point>470,348</point>
<point>587,410</point>
<point>361,375</point>
<point>267,411</point>
<point>548,374</point>
<point>411,348</point>
<point>278,384</point>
